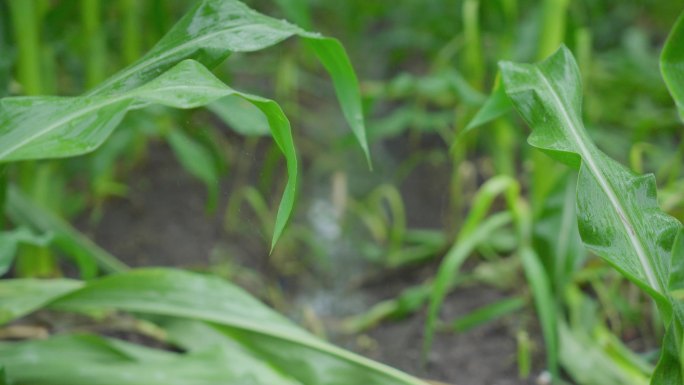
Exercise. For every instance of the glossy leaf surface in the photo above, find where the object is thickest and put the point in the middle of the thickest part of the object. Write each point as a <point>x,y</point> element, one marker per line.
<point>618,214</point>
<point>214,28</point>
<point>32,127</point>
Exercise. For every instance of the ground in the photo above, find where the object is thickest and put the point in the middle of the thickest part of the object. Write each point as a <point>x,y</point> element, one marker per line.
<point>163,221</point>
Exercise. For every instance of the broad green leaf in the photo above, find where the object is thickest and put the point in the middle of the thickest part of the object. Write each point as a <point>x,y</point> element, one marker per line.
<point>588,363</point>
<point>196,159</point>
<point>19,297</point>
<point>618,213</point>
<point>88,360</point>
<point>38,127</point>
<point>240,115</point>
<point>672,64</point>
<point>214,28</point>
<point>196,336</point>
<point>182,294</point>
<point>669,370</point>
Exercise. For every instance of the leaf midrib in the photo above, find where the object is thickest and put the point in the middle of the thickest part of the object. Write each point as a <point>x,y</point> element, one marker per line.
<point>589,160</point>
<point>122,75</point>
<point>82,112</point>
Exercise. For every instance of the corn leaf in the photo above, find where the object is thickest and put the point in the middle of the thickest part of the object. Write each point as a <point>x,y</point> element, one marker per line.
<point>214,28</point>
<point>672,64</point>
<point>618,214</point>
<point>89,359</point>
<point>619,218</point>
<point>179,294</point>
<point>33,127</point>
<point>19,297</point>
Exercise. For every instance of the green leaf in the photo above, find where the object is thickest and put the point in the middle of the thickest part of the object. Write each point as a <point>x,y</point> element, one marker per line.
<point>42,127</point>
<point>181,294</point>
<point>214,28</point>
<point>87,360</point>
<point>196,159</point>
<point>448,268</point>
<point>496,105</point>
<point>618,213</point>
<point>19,297</point>
<point>87,255</point>
<point>240,115</point>
<point>672,64</point>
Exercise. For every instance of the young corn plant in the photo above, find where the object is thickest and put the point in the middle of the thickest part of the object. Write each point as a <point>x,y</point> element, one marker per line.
<point>617,210</point>
<point>225,335</point>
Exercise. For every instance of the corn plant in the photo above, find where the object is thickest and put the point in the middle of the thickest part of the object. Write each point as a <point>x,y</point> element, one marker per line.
<point>226,335</point>
<point>618,214</point>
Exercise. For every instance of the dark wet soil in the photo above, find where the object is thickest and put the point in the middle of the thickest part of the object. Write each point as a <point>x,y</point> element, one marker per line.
<point>163,221</point>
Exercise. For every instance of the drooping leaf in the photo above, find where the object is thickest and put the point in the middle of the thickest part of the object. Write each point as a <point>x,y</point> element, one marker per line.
<point>240,115</point>
<point>40,127</point>
<point>672,64</point>
<point>273,338</point>
<point>213,29</point>
<point>618,214</point>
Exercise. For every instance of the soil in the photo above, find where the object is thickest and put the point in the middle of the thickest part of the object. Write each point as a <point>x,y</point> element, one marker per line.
<point>163,221</point>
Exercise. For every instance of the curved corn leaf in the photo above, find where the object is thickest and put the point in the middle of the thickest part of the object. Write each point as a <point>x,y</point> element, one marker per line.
<point>89,359</point>
<point>213,29</point>
<point>181,294</point>
<point>618,214</point>
<point>31,127</point>
<point>672,64</point>
<point>619,218</point>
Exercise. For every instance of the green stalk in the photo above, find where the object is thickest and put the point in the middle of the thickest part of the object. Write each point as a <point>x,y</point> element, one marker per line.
<point>131,35</point>
<point>472,55</point>
<point>94,42</point>
<point>552,27</point>
<point>27,34</point>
